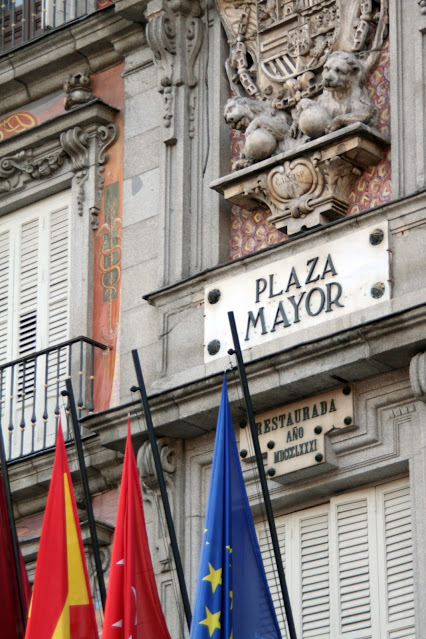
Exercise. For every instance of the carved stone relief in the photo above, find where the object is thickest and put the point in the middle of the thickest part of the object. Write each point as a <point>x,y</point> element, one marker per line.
<point>422,4</point>
<point>16,170</point>
<point>78,89</point>
<point>174,34</point>
<point>77,143</point>
<point>152,499</point>
<point>418,376</point>
<point>310,185</point>
<point>81,149</point>
<point>298,71</point>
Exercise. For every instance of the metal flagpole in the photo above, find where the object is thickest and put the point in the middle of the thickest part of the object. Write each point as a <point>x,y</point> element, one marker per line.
<point>262,475</point>
<point>86,490</point>
<point>15,546</point>
<point>157,461</point>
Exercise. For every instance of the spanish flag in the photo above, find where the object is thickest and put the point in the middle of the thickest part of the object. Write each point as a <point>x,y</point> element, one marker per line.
<point>61,605</point>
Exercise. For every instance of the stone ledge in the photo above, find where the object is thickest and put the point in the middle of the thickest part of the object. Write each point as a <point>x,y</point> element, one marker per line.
<point>94,42</point>
<point>191,410</point>
<point>94,112</point>
<point>310,185</point>
<point>30,477</point>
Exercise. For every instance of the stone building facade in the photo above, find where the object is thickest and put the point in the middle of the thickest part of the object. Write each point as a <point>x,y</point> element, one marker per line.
<point>134,214</point>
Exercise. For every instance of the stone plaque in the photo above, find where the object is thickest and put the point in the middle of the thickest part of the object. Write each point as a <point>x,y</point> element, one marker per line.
<point>298,291</point>
<point>293,436</point>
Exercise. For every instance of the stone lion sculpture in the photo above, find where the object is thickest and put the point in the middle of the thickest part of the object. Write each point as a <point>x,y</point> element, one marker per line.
<point>267,131</point>
<point>344,100</point>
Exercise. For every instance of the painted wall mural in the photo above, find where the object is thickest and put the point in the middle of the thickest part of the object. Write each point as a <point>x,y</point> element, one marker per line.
<point>250,230</point>
<point>109,86</point>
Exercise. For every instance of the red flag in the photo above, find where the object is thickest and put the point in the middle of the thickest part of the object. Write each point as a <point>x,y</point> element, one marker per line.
<point>10,607</point>
<point>133,609</point>
<point>61,606</point>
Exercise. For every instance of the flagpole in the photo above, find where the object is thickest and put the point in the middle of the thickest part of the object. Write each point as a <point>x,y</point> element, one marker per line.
<point>12,525</point>
<point>86,490</point>
<point>162,484</point>
<point>262,475</point>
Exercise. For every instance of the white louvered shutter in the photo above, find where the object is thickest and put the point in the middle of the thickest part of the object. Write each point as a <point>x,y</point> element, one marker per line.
<point>396,574</point>
<point>272,578</point>
<point>58,276</point>
<point>5,295</point>
<point>38,261</point>
<point>314,574</point>
<point>349,565</point>
<point>353,546</point>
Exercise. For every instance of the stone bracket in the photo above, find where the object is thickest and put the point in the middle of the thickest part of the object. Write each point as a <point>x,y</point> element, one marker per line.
<point>308,186</point>
<point>418,376</point>
<point>174,33</point>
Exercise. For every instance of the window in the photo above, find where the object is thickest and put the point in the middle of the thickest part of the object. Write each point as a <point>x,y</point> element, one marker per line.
<point>349,565</point>
<point>34,296</point>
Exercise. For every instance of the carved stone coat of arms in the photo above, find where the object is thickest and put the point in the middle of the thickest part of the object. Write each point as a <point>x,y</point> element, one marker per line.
<point>278,47</point>
<point>298,73</point>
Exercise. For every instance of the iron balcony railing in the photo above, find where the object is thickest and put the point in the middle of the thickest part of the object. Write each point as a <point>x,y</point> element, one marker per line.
<point>25,20</point>
<point>30,394</point>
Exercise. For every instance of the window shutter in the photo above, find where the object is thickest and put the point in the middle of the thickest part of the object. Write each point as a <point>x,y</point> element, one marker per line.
<point>272,578</point>
<point>394,523</point>
<point>28,287</point>
<point>349,565</point>
<point>353,566</point>
<point>59,276</point>
<point>34,281</point>
<point>315,580</point>
<point>5,295</point>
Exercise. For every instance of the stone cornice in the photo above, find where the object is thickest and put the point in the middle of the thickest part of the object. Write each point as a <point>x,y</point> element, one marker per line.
<point>30,476</point>
<point>95,42</point>
<point>190,410</point>
<point>352,222</point>
<point>94,112</point>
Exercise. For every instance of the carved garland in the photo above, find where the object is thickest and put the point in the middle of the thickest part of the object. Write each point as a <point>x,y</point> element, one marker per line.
<point>15,167</point>
<point>75,147</point>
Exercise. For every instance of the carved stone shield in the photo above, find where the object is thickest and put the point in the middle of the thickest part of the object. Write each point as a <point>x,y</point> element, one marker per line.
<point>278,47</point>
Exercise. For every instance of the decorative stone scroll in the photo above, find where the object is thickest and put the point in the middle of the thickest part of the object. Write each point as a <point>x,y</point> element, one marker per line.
<point>174,33</point>
<point>78,143</point>
<point>418,376</point>
<point>298,71</point>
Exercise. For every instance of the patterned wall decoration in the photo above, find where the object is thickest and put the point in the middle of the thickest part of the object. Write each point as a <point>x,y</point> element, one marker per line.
<point>16,122</point>
<point>108,85</point>
<point>374,187</point>
<point>250,230</point>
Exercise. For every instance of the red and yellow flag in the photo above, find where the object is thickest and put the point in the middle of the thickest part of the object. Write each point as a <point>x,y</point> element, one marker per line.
<point>61,606</point>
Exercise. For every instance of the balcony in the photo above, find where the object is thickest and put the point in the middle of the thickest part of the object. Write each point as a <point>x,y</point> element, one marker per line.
<point>26,20</point>
<point>30,394</point>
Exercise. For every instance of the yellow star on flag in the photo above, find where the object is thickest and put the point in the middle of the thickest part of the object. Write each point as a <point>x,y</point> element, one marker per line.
<point>211,621</point>
<point>231,594</point>
<point>214,576</point>
<point>229,549</point>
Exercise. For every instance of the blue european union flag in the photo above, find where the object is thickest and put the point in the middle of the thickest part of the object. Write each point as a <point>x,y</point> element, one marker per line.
<point>232,599</point>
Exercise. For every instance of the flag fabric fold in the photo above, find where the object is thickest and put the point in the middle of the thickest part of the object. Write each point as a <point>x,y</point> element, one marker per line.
<point>10,606</point>
<point>232,597</point>
<point>61,606</point>
<point>133,609</point>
